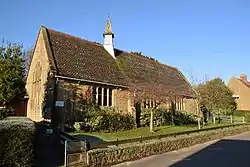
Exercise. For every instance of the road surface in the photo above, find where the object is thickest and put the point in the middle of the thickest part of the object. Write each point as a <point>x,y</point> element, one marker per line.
<point>228,152</point>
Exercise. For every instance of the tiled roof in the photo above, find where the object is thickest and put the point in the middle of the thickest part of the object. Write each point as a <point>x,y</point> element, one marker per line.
<point>78,58</point>
<point>82,59</point>
<point>151,77</point>
<point>246,83</point>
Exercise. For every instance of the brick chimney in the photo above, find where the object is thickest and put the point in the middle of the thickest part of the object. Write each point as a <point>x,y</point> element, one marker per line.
<point>243,77</point>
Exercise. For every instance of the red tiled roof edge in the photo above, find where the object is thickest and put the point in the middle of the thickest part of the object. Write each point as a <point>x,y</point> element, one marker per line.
<point>247,84</point>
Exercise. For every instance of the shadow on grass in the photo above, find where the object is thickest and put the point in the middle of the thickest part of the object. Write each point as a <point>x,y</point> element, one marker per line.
<point>88,138</point>
<point>229,153</point>
<point>48,151</point>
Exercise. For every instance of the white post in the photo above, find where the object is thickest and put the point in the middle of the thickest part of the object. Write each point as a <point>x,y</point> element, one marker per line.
<point>151,121</point>
<point>214,118</point>
<point>199,123</point>
<point>231,118</point>
<point>65,153</point>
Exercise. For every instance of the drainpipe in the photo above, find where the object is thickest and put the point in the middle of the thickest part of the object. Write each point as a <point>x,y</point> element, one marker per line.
<point>53,112</point>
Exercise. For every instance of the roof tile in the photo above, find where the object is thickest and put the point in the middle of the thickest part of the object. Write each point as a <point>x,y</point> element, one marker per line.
<point>82,59</point>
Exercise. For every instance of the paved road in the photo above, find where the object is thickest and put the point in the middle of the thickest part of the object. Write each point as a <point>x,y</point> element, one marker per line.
<point>229,152</point>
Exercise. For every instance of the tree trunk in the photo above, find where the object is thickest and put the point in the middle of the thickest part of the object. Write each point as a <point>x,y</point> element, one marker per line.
<point>172,117</point>
<point>151,121</point>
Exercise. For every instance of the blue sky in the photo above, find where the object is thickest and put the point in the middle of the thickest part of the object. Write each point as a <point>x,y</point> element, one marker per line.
<point>208,37</point>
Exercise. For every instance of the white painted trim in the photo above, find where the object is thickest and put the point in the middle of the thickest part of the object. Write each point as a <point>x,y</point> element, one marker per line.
<point>96,96</point>
<point>102,96</point>
<point>107,96</point>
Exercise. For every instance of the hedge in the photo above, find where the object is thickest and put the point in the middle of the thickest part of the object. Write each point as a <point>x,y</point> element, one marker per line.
<point>164,117</point>
<point>5,112</point>
<point>16,142</point>
<point>132,151</point>
<point>105,121</point>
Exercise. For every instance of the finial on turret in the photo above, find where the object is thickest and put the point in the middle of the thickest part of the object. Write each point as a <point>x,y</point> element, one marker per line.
<point>108,28</point>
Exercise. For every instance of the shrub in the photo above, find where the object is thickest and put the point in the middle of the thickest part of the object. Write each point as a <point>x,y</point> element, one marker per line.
<point>132,151</point>
<point>86,112</point>
<point>91,118</point>
<point>82,127</point>
<point>163,117</point>
<point>112,121</point>
<point>184,118</point>
<point>77,126</point>
<point>105,121</point>
<point>5,112</point>
<point>16,142</point>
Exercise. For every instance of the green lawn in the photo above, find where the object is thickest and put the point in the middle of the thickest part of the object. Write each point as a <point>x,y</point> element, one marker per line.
<point>134,133</point>
<point>245,113</point>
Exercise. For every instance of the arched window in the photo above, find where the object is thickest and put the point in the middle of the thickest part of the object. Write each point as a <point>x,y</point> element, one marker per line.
<point>36,87</point>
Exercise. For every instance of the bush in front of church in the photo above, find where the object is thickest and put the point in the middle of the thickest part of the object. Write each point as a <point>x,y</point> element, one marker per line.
<point>103,121</point>
<point>163,117</point>
<point>5,112</point>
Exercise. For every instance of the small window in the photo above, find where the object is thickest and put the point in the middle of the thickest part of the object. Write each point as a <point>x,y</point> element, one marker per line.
<point>149,103</point>
<point>102,96</point>
<point>105,98</point>
<point>94,95</point>
<point>99,96</point>
<point>110,97</point>
<point>143,104</point>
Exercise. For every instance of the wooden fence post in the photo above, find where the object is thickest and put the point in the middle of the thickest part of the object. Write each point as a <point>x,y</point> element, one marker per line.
<point>231,119</point>
<point>243,119</point>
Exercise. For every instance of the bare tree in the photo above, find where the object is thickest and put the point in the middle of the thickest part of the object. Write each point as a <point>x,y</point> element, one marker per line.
<point>28,54</point>
<point>159,94</point>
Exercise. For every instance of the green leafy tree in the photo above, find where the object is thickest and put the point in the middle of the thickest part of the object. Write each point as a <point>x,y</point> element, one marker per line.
<point>12,73</point>
<point>216,96</point>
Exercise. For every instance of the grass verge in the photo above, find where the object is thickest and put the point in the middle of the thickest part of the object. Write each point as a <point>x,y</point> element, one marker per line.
<point>135,133</point>
<point>245,113</point>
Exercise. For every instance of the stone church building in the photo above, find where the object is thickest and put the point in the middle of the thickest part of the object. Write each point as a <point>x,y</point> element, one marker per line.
<point>66,70</point>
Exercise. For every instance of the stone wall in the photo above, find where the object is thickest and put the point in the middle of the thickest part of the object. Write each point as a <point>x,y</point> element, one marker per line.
<point>37,78</point>
<point>76,93</point>
<point>190,105</point>
<point>109,156</point>
<point>123,101</point>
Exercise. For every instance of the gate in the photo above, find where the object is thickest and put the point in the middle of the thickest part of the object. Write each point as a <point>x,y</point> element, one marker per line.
<point>75,153</point>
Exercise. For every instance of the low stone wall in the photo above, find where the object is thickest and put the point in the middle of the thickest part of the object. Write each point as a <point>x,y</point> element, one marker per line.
<point>77,159</point>
<point>114,155</point>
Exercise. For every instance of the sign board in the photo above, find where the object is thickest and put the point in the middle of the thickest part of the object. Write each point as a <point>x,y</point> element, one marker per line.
<point>49,131</point>
<point>59,103</point>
